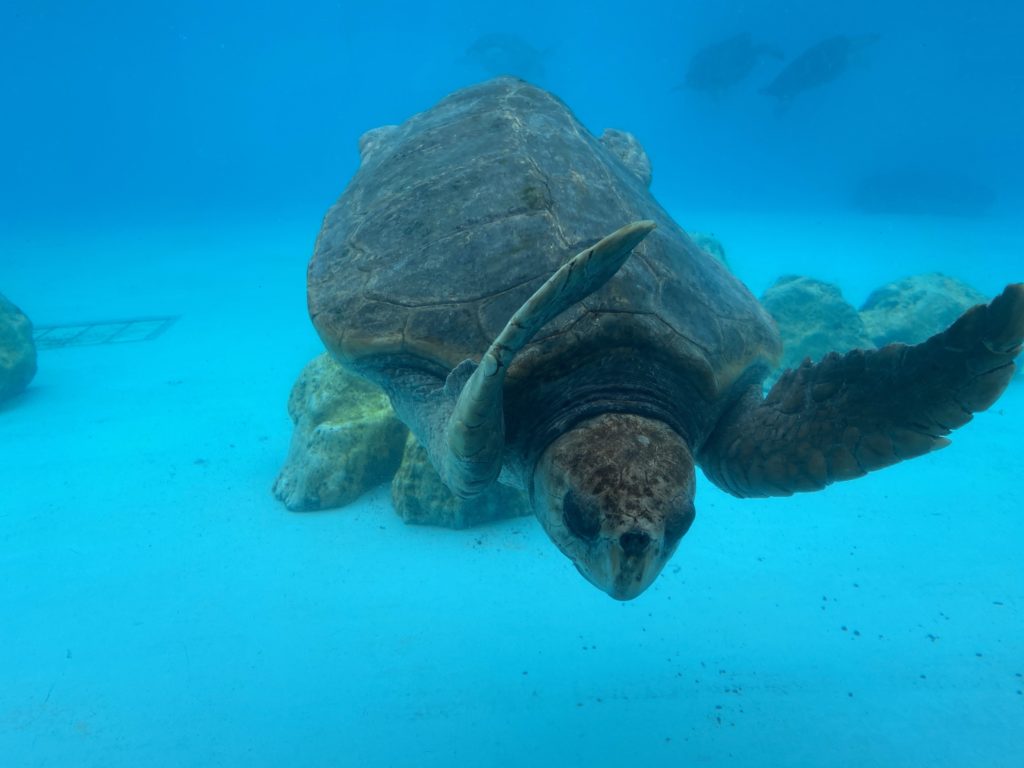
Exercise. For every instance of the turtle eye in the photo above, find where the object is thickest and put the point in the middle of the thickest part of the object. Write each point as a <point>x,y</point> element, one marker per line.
<point>678,523</point>
<point>582,519</point>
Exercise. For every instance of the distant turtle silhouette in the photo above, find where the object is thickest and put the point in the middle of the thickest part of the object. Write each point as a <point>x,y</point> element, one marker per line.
<point>719,66</point>
<point>500,53</point>
<point>818,65</point>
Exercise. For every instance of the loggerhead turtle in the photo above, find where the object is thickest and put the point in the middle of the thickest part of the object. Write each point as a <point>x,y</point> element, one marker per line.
<point>819,65</point>
<point>719,66</point>
<point>598,382</point>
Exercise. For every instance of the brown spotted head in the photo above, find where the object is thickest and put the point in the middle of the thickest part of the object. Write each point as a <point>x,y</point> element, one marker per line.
<point>615,493</point>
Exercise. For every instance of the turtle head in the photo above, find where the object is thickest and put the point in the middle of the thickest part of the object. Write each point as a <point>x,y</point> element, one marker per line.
<point>615,493</point>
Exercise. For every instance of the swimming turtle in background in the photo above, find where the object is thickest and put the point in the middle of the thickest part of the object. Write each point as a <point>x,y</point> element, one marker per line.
<point>597,381</point>
<point>819,65</point>
<point>721,65</point>
<point>500,53</point>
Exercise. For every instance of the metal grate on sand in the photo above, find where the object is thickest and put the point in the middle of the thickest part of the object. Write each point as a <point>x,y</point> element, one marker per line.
<point>105,332</point>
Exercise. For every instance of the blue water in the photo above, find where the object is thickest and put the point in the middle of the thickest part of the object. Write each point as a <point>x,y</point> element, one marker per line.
<point>187,108</point>
<point>159,607</point>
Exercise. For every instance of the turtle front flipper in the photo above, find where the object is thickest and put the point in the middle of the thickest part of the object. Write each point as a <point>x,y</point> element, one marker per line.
<point>475,433</point>
<point>850,414</point>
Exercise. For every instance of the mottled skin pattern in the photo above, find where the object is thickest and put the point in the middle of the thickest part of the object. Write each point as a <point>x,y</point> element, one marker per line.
<point>453,222</point>
<point>620,473</point>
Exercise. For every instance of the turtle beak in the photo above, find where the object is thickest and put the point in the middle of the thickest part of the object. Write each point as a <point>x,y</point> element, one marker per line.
<point>624,567</point>
<point>635,562</point>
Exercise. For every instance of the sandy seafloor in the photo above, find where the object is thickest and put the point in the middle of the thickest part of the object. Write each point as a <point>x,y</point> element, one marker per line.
<point>158,607</point>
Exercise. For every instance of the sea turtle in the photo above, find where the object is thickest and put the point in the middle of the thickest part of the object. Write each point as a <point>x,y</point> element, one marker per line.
<point>445,273</point>
<point>720,65</point>
<point>819,65</point>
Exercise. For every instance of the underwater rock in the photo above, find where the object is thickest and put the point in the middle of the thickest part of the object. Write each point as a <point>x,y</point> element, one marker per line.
<point>374,139</point>
<point>814,319</point>
<point>347,439</point>
<point>710,244</point>
<point>630,151</point>
<point>17,350</point>
<point>913,309</point>
<point>421,498</point>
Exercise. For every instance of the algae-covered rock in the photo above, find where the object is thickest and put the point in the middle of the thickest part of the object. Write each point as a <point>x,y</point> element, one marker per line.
<point>814,319</point>
<point>347,439</point>
<point>710,244</point>
<point>420,497</point>
<point>628,149</point>
<point>917,307</point>
<point>17,350</point>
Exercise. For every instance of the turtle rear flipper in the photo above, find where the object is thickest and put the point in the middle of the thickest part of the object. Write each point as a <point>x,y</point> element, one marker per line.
<point>474,438</point>
<point>850,414</point>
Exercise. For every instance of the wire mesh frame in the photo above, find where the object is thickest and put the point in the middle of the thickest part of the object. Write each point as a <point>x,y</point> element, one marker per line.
<point>101,332</point>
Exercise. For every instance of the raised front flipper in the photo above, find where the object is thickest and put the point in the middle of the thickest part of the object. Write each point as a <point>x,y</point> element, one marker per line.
<point>474,439</point>
<point>850,414</point>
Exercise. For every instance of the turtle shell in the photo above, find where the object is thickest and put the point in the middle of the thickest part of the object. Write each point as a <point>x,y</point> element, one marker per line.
<point>457,216</point>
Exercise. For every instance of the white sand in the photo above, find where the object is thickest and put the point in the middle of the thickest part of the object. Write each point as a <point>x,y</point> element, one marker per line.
<point>159,608</point>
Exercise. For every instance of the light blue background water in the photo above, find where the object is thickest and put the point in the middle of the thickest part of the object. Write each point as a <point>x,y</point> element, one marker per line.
<point>159,607</point>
